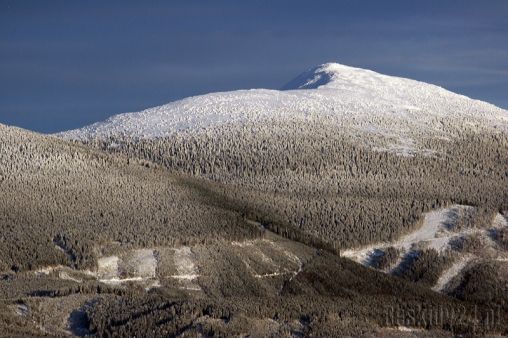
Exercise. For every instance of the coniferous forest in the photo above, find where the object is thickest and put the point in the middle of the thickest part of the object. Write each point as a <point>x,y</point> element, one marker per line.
<point>240,232</point>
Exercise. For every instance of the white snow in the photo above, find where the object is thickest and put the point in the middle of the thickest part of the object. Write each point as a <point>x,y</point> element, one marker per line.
<point>296,260</point>
<point>184,263</point>
<point>66,276</point>
<point>269,274</point>
<point>144,263</point>
<point>433,233</point>
<point>47,270</point>
<point>108,267</point>
<point>499,221</point>
<point>22,310</point>
<point>119,281</point>
<point>448,274</point>
<point>408,329</point>
<point>187,272</point>
<point>139,265</point>
<point>41,272</point>
<point>344,96</point>
<point>437,230</point>
<point>184,276</point>
<point>430,231</point>
<point>253,248</point>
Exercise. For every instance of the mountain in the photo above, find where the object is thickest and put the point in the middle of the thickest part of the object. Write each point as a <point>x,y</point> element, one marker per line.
<point>107,245</point>
<point>352,99</point>
<point>336,138</point>
<point>349,203</point>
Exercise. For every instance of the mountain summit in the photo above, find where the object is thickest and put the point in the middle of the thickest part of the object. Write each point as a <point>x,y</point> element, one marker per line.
<point>326,75</point>
<point>352,99</point>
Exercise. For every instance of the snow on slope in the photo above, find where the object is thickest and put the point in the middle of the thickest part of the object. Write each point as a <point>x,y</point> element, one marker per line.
<point>433,233</point>
<point>341,95</point>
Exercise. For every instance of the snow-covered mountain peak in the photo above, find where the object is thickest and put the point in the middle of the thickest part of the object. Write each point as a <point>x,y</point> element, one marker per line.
<point>352,99</point>
<point>325,75</point>
<point>334,76</point>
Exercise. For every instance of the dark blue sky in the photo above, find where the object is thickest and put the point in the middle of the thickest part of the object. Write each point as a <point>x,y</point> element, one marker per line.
<point>66,64</point>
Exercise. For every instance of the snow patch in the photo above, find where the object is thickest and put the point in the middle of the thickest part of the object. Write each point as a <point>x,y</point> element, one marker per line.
<point>144,263</point>
<point>184,262</point>
<point>47,270</point>
<point>137,265</point>
<point>433,228</point>
<point>499,221</point>
<point>270,274</point>
<point>256,254</point>
<point>21,310</point>
<point>408,329</point>
<point>66,276</point>
<point>119,281</point>
<point>452,272</point>
<point>187,272</point>
<point>436,232</point>
<point>107,267</point>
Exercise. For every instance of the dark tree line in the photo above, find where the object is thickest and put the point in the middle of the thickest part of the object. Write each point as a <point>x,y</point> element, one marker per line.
<point>427,267</point>
<point>389,257</point>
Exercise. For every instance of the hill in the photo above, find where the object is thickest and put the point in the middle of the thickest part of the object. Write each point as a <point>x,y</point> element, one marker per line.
<point>238,213</point>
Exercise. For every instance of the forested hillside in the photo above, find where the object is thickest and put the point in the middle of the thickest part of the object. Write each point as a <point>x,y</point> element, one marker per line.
<point>60,203</point>
<point>338,186</point>
<point>230,209</point>
<point>349,204</point>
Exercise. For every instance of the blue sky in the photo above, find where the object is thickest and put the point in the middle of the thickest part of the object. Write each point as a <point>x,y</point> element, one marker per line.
<point>66,64</point>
